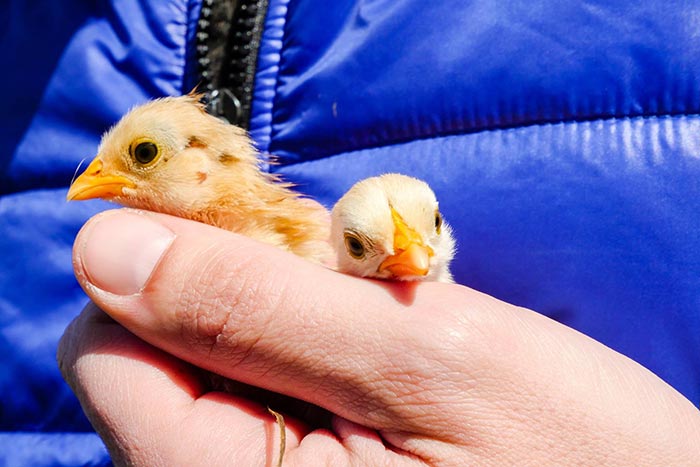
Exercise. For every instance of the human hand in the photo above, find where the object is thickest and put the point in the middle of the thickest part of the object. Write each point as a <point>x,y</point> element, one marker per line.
<point>416,374</point>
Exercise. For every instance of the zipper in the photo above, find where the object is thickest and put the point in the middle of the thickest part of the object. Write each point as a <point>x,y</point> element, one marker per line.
<point>226,48</point>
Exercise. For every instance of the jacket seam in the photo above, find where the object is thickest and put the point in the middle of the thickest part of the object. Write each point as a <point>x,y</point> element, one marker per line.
<point>503,128</point>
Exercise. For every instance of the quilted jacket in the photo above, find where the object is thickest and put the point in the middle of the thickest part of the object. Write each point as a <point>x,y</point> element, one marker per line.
<point>561,137</point>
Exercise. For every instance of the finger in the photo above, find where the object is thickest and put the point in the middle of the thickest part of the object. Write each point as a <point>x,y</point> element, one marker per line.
<point>150,407</point>
<point>259,315</point>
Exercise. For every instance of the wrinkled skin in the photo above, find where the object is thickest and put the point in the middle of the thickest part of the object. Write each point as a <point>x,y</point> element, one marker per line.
<point>415,374</point>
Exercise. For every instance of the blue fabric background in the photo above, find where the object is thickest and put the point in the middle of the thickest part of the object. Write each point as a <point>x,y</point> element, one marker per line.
<point>562,138</point>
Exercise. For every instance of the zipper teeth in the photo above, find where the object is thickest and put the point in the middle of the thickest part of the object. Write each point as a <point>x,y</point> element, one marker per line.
<point>228,81</point>
<point>244,45</point>
<point>202,47</point>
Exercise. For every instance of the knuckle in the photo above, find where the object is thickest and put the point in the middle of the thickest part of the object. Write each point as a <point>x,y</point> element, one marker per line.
<point>220,308</point>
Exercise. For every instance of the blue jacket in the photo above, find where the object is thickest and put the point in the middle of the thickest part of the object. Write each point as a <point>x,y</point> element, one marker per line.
<point>562,138</point>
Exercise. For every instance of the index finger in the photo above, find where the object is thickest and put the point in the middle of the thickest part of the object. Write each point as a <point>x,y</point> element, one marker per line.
<point>365,350</point>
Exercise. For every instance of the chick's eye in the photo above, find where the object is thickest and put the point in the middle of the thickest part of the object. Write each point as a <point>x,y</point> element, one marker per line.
<point>354,246</point>
<point>438,222</point>
<point>145,152</point>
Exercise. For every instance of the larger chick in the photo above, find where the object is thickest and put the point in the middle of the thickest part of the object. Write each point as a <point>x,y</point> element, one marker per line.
<point>170,156</point>
<point>390,227</point>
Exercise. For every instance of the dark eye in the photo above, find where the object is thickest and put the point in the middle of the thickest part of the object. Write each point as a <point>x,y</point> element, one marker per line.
<point>354,246</point>
<point>145,152</point>
<point>438,222</point>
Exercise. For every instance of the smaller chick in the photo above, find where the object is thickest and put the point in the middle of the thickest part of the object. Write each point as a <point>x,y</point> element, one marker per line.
<point>390,227</point>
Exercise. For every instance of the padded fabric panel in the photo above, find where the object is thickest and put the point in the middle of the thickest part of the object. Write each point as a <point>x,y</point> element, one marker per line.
<point>365,74</point>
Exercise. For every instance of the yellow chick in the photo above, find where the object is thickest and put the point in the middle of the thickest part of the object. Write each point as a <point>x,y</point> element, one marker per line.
<point>389,227</point>
<point>170,156</point>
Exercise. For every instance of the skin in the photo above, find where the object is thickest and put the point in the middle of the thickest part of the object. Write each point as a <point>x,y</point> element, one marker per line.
<point>416,373</point>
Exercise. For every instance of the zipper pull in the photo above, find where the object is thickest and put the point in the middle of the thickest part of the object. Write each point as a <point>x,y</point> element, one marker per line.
<point>224,104</point>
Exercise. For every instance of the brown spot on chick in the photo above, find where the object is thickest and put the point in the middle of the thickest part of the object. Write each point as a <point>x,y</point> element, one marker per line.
<point>195,142</point>
<point>227,159</point>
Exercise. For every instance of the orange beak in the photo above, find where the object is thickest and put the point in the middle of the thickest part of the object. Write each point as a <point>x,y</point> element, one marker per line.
<point>94,184</point>
<point>411,257</point>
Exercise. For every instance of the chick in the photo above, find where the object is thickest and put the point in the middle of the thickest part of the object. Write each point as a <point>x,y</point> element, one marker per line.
<point>170,156</point>
<point>389,227</point>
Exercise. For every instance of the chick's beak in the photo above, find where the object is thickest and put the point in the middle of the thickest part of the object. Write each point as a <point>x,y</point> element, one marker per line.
<point>94,184</point>
<point>412,256</point>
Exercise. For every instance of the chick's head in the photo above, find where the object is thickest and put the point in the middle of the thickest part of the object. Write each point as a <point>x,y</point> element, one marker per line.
<point>167,155</point>
<point>390,227</point>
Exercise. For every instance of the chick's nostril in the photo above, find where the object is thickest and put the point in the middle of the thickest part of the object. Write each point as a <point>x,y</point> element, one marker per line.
<point>95,168</point>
